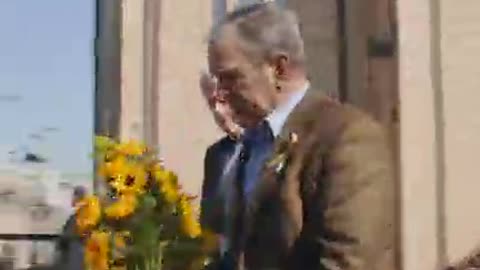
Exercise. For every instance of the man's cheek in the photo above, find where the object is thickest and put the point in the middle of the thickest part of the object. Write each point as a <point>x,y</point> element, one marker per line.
<point>222,109</point>
<point>238,103</point>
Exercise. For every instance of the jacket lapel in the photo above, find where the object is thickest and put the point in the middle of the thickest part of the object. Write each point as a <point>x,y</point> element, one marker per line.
<point>274,172</point>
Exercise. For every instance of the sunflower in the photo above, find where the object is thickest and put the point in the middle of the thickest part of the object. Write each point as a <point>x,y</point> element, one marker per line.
<point>131,180</point>
<point>161,174</point>
<point>154,167</point>
<point>167,182</point>
<point>88,214</point>
<point>188,222</point>
<point>131,148</point>
<point>123,175</point>
<point>96,251</point>
<point>114,168</point>
<point>123,207</point>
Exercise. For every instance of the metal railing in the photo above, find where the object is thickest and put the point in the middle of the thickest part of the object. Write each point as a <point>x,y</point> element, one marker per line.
<point>28,237</point>
<point>7,262</point>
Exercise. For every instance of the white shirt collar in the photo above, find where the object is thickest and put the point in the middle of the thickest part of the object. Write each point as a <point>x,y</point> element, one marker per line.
<point>277,118</point>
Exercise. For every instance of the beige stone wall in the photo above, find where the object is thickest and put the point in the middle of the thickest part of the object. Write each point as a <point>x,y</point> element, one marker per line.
<point>438,92</point>
<point>132,72</point>
<point>417,138</point>
<point>440,104</point>
<point>141,97</point>
<point>460,73</point>
<point>185,125</point>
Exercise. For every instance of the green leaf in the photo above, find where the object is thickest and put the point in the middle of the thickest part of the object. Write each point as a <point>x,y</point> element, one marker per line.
<point>103,143</point>
<point>148,202</point>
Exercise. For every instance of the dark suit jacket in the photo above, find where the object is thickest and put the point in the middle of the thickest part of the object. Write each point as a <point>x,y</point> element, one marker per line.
<point>70,247</point>
<point>213,200</point>
<point>332,205</point>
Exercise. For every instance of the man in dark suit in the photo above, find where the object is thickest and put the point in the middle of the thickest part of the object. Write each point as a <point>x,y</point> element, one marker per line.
<point>313,185</point>
<point>217,160</point>
<point>70,248</point>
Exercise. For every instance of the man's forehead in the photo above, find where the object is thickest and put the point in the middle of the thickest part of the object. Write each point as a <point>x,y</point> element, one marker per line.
<point>224,52</point>
<point>223,60</point>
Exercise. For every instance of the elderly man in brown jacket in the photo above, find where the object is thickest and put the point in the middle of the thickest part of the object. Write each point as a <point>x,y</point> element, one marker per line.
<point>313,185</point>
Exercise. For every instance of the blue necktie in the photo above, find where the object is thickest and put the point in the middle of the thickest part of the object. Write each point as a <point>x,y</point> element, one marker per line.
<point>258,144</point>
<point>257,147</point>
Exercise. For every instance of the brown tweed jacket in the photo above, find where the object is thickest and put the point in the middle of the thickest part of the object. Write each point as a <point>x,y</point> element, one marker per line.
<point>331,206</point>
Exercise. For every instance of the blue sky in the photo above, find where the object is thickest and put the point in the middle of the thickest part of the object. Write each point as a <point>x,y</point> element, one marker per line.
<point>46,58</point>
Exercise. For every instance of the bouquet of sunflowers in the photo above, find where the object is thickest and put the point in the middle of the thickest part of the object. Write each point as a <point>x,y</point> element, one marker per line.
<point>143,221</point>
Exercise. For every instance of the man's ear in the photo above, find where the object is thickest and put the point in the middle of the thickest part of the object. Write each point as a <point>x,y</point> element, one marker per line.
<point>280,65</point>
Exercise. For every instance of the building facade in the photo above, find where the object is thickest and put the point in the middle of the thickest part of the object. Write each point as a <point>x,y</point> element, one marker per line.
<point>149,55</point>
<point>439,101</point>
<point>411,64</point>
<point>34,200</point>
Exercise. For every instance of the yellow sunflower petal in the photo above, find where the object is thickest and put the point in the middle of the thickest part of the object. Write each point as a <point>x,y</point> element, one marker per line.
<point>161,175</point>
<point>88,214</point>
<point>96,251</point>
<point>167,182</point>
<point>170,192</point>
<point>123,207</point>
<point>132,148</point>
<point>130,177</point>
<point>116,166</point>
<point>190,226</point>
<point>188,221</point>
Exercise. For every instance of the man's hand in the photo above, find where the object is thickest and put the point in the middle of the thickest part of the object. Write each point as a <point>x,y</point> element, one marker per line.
<point>220,109</point>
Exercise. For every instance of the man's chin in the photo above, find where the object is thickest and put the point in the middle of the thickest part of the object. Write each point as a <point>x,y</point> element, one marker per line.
<point>250,123</point>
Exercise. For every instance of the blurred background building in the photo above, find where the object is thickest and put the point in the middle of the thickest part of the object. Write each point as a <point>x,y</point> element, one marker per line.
<point>411,64</point>
<point>46,111</point>
<point>34,199</point>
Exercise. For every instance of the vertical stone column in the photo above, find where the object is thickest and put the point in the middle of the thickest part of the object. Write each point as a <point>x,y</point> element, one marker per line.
<point>151,69</point>
<point>132,68</point>
<point>108,58</point>
<point>458,41</point>
<point>120,70</point>
<point>357,19</point>
<point>107,68</point>
<point>185,126</point>
<point>419,195</point>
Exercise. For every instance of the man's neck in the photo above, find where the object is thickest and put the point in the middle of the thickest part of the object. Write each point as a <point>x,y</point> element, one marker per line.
<point>278,116</point>
<point>290,88</point>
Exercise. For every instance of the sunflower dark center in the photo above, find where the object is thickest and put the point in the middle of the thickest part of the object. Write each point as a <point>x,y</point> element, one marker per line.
<point>130,180</point>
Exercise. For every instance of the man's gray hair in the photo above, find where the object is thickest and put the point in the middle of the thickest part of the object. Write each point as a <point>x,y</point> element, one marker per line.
<point>264,30</point>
